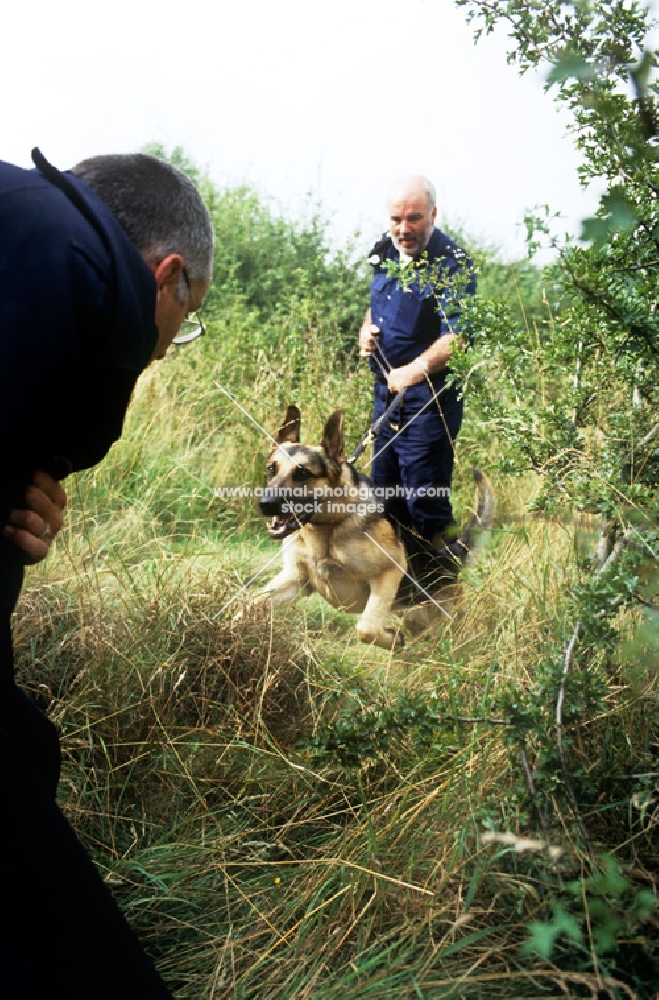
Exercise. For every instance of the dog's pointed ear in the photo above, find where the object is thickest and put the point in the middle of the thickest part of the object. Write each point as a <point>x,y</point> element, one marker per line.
<point>289,432</point>
<point>332,442</point>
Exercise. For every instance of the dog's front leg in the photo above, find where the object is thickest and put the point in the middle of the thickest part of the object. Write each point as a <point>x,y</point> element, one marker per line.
<point>291,581</point>
<point>371,627</point>
<point>284,587</point>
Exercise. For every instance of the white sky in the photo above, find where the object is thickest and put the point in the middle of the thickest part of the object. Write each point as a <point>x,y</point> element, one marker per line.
<point>332,100</point>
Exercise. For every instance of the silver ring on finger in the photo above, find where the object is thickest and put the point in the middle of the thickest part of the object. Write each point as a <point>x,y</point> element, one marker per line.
<point>46,533</point>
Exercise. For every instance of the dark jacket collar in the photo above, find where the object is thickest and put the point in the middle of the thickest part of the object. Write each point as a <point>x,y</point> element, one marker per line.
<point>134,333</point>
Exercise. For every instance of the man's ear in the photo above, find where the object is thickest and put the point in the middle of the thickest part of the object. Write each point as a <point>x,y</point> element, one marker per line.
<point>168,270</point>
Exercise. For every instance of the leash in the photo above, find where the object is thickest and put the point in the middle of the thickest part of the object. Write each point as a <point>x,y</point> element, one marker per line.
<point>375,428</point>
<point>371,434</point>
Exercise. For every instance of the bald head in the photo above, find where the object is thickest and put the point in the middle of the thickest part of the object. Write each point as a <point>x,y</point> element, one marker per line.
<point>412,213</point>
<point>411,186</point>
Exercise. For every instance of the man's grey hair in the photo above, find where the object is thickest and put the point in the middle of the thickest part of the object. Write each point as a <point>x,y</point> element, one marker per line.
<point>429,188</point>
<point>157,205</point>
<point>415,181</point>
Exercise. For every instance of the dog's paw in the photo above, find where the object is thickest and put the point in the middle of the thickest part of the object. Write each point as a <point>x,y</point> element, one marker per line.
<point>393,638</point>
<point>386,638</point>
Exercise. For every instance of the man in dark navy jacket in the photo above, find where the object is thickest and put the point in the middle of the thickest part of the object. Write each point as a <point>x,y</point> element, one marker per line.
<point>98,269</point>
<point>408,334</point>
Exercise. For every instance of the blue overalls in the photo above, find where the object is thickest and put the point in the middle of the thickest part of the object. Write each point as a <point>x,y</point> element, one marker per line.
<point>415,447</point>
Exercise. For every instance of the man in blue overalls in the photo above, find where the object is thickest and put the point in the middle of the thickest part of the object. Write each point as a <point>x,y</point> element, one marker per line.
<point>408,334</point>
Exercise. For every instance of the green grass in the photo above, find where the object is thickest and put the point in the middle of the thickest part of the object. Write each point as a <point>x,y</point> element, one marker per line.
<point>251,860</point>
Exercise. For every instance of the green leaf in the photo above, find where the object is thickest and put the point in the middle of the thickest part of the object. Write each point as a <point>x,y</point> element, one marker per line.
<point>570,66</point>
<point>618,215</point>
<point>543,935</point>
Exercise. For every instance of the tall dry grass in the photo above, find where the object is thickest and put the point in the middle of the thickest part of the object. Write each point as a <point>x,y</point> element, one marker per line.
<point>253,860</point>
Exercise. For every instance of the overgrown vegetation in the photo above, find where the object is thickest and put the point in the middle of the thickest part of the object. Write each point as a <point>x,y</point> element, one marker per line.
<point>285,814</point>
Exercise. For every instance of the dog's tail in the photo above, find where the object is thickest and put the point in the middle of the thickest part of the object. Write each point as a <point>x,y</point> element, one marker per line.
<point>481,520</point>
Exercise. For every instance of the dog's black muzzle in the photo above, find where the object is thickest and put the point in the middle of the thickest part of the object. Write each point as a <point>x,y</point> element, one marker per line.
<point>270,507</point>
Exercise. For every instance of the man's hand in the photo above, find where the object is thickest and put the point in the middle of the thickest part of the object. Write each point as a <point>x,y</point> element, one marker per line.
<point>368,341</point>
<point>406,375</point>
<point>33,526</point>
<point>433,360</point>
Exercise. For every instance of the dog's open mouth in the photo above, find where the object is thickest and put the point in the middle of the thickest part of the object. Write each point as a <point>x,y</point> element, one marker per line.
<point>283,525</point>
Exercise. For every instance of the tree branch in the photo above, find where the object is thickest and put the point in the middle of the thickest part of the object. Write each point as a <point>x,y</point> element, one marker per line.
<point>608,560</point>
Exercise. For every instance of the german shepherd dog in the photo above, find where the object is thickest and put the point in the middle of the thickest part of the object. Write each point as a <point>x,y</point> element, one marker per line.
<point>344,547</point>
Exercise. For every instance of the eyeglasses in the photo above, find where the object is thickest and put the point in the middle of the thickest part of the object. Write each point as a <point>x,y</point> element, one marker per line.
<point>193,328</point>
